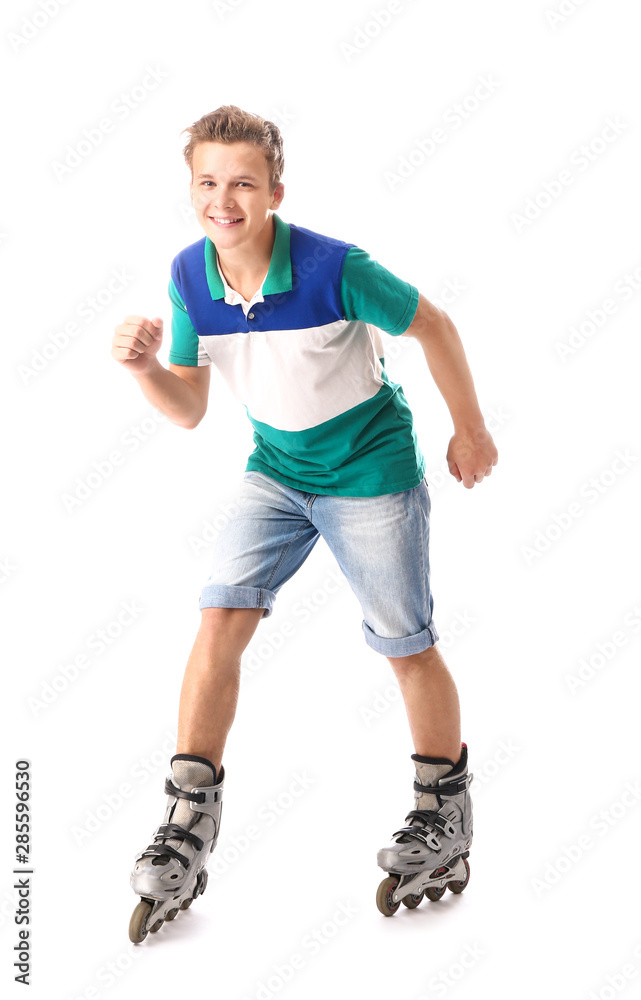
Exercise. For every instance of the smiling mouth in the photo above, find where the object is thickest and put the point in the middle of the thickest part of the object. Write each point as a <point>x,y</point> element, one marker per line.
<point>225,220</point>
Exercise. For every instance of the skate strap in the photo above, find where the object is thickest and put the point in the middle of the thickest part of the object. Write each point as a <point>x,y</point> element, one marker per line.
<point>172,831</point>
<point>428,818</point>
<point>164,850</point>
<point>209,794</point>
<point>449,788</point>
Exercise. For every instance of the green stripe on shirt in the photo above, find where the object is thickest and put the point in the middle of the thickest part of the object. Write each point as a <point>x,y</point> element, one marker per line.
<point>373,294</point>
<point>184,339</point>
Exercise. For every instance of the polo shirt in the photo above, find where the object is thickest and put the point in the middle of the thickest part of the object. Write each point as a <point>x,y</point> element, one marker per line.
<point>232,297</point>
<point>305,358</point>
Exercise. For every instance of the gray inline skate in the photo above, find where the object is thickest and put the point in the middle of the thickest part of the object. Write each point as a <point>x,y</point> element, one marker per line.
<point>430,854</point>
<point>171,872</point>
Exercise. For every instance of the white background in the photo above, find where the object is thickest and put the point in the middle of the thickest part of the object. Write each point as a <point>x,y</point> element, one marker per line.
<point>530,592</point>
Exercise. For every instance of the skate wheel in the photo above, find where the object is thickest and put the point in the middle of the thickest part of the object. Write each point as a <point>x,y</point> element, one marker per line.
<point>384,896</point>
<point>172,913</point>
<point>187,903</point>
<point>138,924</point>
<point>435,893</point>
<point>156,927</point>
<point>201,882</point>
<point>459,884</point>
<point>412,901</point>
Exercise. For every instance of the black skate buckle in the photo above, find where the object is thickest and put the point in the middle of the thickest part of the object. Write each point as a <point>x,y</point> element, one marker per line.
<point>164,850</point>
<point>171,789</point>
<point>208,795</point>
<point>449,788</point>
<point>173,831</point>
<point>208,800</point>
<point>428,817</point>
<point>441,823</point>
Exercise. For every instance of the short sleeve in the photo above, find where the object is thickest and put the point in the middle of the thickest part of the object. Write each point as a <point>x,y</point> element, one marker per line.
<point>373,294</point>
<point>186,348</point>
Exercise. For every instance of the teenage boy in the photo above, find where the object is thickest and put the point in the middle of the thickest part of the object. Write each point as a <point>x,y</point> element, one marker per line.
<point>292,319</point>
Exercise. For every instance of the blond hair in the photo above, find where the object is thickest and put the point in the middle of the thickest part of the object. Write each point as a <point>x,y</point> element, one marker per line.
<point>231,124</point>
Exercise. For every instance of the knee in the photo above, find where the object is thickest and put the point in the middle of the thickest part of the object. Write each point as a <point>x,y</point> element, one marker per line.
<point>406,664</point>
<point>235,625</point>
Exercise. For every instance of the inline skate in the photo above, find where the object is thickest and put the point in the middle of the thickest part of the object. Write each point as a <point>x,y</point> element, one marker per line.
<point>430,854</point>
<point>170,873</point>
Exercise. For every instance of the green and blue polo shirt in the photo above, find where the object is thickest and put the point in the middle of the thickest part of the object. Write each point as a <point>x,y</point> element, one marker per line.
<point>305,357</point>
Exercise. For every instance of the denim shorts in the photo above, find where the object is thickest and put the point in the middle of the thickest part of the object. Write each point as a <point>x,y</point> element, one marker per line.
<point>380,543</point>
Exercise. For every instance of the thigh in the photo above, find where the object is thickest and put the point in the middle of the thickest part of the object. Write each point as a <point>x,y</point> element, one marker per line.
<point>266,538</point>
<point>382,546</point>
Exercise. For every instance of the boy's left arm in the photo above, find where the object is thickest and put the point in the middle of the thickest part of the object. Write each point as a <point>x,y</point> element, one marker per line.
<point>472,453</point>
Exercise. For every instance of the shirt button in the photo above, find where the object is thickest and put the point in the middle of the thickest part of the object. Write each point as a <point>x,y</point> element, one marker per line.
<point>250,315</point>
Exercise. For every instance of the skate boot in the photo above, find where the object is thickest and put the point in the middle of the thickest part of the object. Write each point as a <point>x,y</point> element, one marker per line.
<point>171,872</point>
<point>431,853</point>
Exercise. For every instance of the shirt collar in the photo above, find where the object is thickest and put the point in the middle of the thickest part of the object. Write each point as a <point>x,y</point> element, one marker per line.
<point>234,298</point>
<point>279,275</point>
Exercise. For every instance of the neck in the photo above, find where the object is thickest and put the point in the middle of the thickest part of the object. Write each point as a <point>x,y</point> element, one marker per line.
<point>243,265</point>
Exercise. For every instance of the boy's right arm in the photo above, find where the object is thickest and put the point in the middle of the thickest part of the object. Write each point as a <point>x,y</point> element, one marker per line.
<point>180,392</point>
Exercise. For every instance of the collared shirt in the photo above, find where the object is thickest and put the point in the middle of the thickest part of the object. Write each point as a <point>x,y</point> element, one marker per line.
<point>305,357</point>
<point>234,298</point>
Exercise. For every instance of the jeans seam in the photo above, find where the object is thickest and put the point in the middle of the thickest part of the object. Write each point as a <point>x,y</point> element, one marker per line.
<point>284,553</point>
<point>422,518</point>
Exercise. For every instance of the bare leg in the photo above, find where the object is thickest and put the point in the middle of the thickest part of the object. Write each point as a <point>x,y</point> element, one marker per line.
<point>432,704</point>
<point>209,693</point>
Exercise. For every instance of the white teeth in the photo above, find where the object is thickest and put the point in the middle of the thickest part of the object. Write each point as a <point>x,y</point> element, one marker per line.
<point>225,222</point>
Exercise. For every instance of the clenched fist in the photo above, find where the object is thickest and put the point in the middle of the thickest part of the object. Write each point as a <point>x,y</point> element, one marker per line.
<point>471,455</point>
<point>136,343</point>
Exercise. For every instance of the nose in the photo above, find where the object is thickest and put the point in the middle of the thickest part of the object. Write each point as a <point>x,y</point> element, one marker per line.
<point>223,197</point>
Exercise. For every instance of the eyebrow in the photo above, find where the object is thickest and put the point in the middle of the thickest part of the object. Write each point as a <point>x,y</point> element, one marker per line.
<point>240,177</point>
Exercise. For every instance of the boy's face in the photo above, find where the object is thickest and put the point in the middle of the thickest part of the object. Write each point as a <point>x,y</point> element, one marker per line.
<point>231,181</point>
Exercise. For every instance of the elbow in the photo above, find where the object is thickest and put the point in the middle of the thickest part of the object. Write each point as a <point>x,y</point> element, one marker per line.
<point>428,316</point>
<point>192,423</point>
